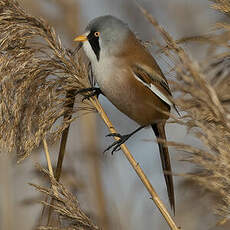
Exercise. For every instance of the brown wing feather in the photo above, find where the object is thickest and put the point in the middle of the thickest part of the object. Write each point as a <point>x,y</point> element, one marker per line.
<point>151,78</point>
<point>143,64</point>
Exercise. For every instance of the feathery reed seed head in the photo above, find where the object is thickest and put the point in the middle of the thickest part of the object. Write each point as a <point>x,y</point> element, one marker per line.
<point>203,89</point>
<point>66,206</point>
<point>36,72</point>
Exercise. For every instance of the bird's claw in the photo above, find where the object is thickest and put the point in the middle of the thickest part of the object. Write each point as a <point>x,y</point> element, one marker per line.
<point>116,145</point>
<point>87,97</point>
<point>114,135</point>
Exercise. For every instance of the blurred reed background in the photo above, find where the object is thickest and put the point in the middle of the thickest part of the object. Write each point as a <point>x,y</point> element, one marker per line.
<point>106,187</point>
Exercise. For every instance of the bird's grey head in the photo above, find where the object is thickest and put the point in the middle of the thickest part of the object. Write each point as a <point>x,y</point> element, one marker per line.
<point>105,35</point>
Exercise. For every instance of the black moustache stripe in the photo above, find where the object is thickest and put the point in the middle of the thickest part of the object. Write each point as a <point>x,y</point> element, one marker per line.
<point>94,42</point>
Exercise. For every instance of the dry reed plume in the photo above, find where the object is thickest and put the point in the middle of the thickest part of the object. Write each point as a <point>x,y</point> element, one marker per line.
<point>203,88</point>
<point>36,72</point>
<point>66,206</point>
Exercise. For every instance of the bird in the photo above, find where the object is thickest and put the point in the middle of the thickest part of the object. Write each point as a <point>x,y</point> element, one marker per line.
<point>130,78</point>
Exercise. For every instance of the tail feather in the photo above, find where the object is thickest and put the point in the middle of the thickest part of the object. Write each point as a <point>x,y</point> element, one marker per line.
<point>159,130</point>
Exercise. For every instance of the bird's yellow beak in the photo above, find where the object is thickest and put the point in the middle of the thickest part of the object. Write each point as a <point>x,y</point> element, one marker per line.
<point>81,38</point>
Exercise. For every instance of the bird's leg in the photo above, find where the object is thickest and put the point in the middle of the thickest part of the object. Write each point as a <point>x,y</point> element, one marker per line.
<point>93,91</point>
<point>116,145</point>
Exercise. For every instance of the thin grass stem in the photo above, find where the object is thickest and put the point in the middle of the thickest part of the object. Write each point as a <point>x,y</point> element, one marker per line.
<point>136,167</point>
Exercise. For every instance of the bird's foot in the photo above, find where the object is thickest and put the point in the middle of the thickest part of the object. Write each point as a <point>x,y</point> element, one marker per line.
<point>116,145</point>
<point>93,91</point>
<point>122,139</point>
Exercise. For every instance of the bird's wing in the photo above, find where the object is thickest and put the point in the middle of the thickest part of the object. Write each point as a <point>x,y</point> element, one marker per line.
<point>154,81</point>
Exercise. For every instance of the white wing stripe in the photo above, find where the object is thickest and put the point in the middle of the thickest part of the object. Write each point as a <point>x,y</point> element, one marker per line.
<point>156,91</point>
<point>159,94</point>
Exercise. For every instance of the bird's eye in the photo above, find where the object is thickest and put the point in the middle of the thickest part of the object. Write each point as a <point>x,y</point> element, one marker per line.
<point>97,34</point>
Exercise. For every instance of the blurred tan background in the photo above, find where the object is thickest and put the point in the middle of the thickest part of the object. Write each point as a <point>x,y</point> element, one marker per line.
<point>106,186</point>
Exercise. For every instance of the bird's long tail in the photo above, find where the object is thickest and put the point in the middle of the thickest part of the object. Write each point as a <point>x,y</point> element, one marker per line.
<point>159,130</point>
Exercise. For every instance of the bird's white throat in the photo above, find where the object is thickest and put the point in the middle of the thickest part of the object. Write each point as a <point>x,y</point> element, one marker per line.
<point>89,52</point>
